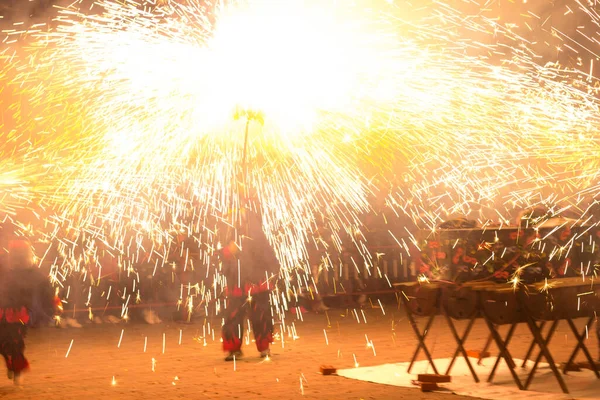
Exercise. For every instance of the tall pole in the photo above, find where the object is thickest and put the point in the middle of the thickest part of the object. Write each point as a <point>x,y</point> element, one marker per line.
<point>244,160</point>
<point>244,203</point>
<point>250,115</point>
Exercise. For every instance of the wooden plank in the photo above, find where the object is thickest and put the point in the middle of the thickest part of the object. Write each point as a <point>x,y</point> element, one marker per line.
<point>571,367</point>
<point>328,370</point>
<point>426,386</point>
<point>587,365</point>
<point>434,378</point>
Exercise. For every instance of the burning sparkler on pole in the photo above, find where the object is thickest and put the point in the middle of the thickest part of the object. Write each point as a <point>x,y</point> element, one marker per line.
<point>249,116</point>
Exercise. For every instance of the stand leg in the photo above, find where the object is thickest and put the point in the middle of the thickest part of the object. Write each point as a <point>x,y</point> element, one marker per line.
<point>420,337</point>
<point>504,353</point>
<point>460,342</point>
<point>531,347</point>
<point>544,352</point>
<point>581,345</point>
<point>539,356</point>
<point>486,347</point>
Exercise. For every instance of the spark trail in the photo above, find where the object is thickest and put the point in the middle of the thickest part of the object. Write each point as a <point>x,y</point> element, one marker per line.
<point>141,111</point>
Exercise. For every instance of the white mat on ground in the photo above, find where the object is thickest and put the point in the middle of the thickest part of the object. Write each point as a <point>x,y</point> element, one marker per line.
<point>581,385</point>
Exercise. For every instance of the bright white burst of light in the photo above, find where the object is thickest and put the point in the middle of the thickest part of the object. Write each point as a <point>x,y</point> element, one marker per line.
<point>141,107</point>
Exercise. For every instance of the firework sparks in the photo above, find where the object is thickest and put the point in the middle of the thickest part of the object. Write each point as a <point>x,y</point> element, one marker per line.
<point>132,112</point>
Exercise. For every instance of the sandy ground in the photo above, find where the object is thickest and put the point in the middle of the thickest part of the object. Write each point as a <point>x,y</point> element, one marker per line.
<point>116,361</point>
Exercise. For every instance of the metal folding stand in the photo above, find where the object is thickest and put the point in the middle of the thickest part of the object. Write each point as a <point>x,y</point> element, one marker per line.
<point>531,347</point>
<point>460,342</point>
<point>543,344</point>
<point>503,347</point>
<point>421,336</point>
<point>581,345</point>
<point>485,349</point>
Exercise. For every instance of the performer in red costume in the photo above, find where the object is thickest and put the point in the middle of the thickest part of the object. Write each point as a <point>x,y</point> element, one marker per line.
<point>21,285</point>
<point>250,267</point>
